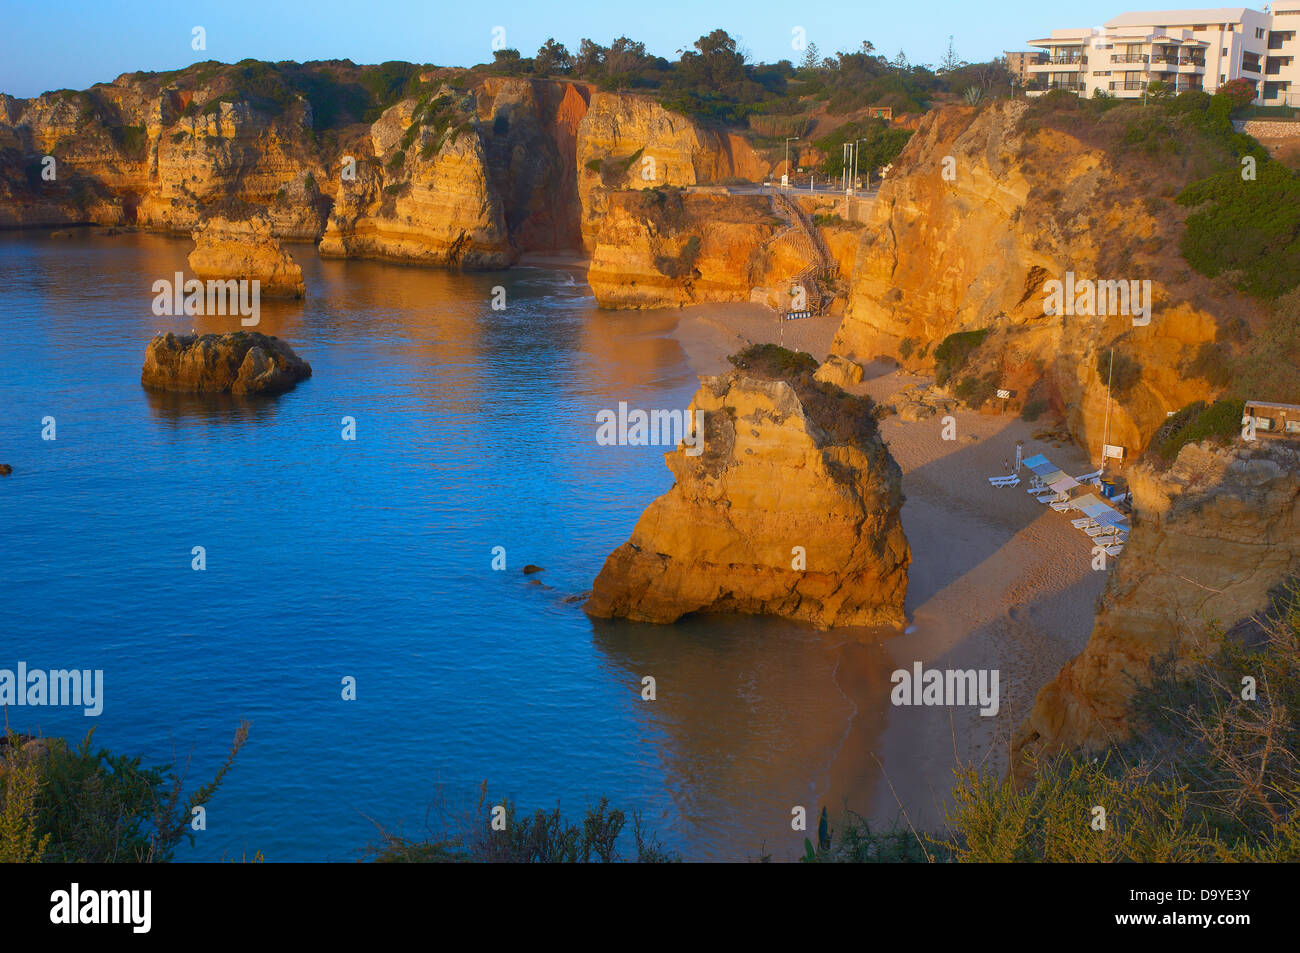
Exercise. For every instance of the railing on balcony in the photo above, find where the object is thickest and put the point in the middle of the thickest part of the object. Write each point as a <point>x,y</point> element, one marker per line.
<point>1129,58</point>
<point>1128,86</point>
<point>1062,84</point>
<point>1191,61</point>
<point>1067,60</point>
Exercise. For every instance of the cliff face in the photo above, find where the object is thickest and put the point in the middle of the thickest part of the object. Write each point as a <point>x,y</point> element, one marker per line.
<point>246,249</point>
<point>1211,538</point>
<point>665,248</point>
<point>631,142</point>
<point>133,152</point>
<point>466,180</point>
<point>1020,206</point>
<point>775,473</point>
<point>435,209</point>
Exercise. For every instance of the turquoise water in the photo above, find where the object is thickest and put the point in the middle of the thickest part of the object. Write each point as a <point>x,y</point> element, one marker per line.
<point>372,559</point>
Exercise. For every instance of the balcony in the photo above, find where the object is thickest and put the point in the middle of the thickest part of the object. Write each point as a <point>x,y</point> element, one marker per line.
<point>1062,84</point>
<point>1129,58</point>
<point>1128,86</point>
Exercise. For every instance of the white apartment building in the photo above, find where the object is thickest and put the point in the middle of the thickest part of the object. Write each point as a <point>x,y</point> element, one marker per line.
<point>1185,49</point>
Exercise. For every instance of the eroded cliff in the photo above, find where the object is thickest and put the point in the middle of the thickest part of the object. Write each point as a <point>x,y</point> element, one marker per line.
<point>981,210</point>
<point>1211,538</point>
<point>792,509</point>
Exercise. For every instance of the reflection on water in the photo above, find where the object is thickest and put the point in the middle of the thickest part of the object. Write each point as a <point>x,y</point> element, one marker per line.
<point>372,559</point>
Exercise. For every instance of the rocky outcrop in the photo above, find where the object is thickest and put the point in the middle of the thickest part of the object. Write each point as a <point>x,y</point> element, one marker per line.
<point>631,142</point>
<point>666,248</point>
<point>981,209</point>
<point>792,509</point>
<point>243,363</point>
<point>246,249</point>
<point>1211,538</point>
<point>431,203</point>
<point>141,151</point>
<point>839,371</point>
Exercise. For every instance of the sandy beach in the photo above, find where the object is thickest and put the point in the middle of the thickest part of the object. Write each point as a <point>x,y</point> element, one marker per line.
<point>998,581</point>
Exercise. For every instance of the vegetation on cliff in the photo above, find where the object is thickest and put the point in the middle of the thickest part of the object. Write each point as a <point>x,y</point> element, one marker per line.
<point>83,804</point>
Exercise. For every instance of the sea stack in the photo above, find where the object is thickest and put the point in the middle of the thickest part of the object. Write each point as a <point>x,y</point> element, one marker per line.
<point>791,509</point>
<point>243,363</point>
<point>245,249</point>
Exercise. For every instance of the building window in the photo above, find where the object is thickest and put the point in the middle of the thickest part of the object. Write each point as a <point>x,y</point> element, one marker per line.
<point>1259,33</point>
<point>1263,423</point>
<point>1293,426</point>
<point>1201,27</point>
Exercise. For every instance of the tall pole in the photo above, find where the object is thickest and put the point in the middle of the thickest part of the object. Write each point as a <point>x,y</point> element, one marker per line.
<point>1105,439</point>
<point>788,140</point>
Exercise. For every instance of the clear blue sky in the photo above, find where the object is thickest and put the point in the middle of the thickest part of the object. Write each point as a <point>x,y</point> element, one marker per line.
<point>80,42</point>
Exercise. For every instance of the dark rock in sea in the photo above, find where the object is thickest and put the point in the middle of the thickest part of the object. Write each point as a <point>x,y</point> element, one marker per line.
<point>61,233</point>
<point>5,469</point>
<point>530,569</point>
<point>577,597</point>
<point>242,363</point>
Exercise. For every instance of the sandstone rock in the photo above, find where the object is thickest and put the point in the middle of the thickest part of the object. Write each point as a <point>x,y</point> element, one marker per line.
<point>667,249</point>
<point>1211,538</point>
<point>242,363</point>
<point>942,255</point>
<point>839,371</point>
<point>5,469</point>
<point>530,569</point>
<point>784,465</point>
<point>246,249</point>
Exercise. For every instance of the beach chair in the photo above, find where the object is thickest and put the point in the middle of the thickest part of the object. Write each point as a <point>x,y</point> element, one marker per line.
<point>1094,477</point>
<point>1083,522</point>
<point>1115,550</point>
<point>1060,505</point>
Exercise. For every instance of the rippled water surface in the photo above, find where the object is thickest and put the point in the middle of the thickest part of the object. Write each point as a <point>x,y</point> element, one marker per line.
<point>372,558</point>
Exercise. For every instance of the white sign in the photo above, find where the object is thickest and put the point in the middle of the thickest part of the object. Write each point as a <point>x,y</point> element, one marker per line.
<point>785,180</point>
<point>1109,450</point>
<point>1004,394</point>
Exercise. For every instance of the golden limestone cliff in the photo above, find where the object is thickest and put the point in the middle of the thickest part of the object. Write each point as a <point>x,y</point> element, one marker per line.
<point>631,142</point>
<point>431,203</point>
<point>1211,539</point>
<point>465,180</point>
<point>246,249</point>
<point>659,249</point>
<point>979,213</point>
<point>138,152</point>
<point>791,509</point>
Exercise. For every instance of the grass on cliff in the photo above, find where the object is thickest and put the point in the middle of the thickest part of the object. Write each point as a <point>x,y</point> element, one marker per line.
<point>847,418</point>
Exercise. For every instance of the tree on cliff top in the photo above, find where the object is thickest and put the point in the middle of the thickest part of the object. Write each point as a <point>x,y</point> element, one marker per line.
<point>551,58</point>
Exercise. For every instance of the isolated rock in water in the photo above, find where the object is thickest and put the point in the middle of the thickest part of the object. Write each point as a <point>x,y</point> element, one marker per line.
<point>785,464</point>
<point>241,363</point>
<point>1211,538</point>
<point>839,371</point>
<point>5,469</point>
<point>530,569</point>
<point>245,249</point>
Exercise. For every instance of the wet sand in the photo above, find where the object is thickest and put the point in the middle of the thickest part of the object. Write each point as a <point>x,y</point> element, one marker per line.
<point>998,581</point>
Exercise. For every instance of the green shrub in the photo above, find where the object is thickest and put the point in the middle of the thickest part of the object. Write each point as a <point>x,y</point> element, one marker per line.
<point>397,161</point>
<point>953,352</point>
<point>1119,370</point>
<point>1033,409</point>
<point>93,806</point>
<point>1220,422</point>
<point>1248,231</point>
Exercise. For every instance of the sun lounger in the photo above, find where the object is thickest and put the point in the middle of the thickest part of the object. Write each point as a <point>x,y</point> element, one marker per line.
<point>1083,522</point>
<point>1011,480</point>
<point>1115,550</point>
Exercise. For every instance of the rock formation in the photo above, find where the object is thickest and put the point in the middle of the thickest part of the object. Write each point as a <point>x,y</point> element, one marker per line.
<point>973,249</point>
<point>665,248</point>
<point>243,363</point>
<point>627,141</point>
<point>246,249</point>
<point>1211,538</point>
<point>785,464</point>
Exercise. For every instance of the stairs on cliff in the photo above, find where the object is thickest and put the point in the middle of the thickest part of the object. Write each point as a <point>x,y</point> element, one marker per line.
<point>803,235</point>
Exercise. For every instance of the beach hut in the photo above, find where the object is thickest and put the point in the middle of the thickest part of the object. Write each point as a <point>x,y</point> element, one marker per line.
<point>1273,420</point>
